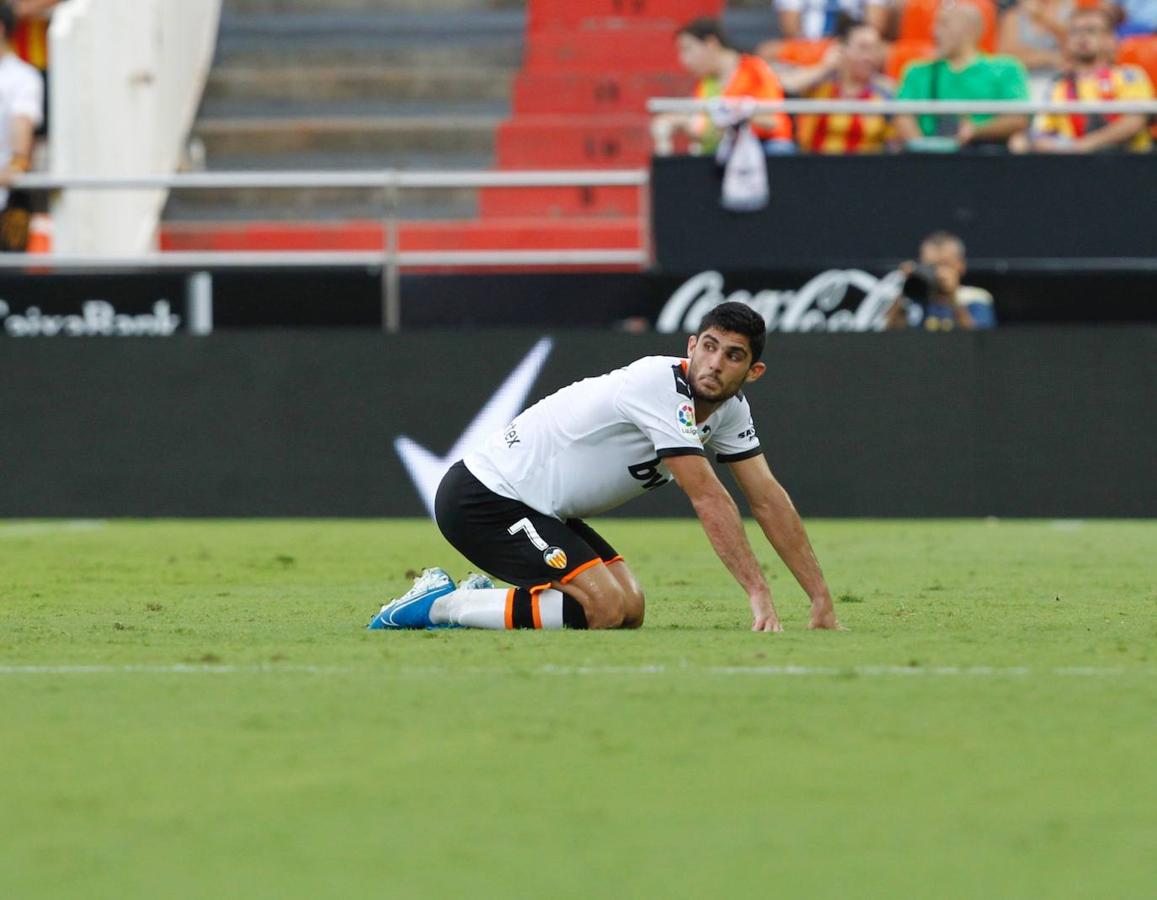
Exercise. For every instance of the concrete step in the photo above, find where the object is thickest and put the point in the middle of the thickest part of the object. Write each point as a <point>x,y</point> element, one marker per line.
<point>295,203</point>
<point>351,160</point>
<point>296,84</point>
<point>419,41</point>
<point>286,204</point>
<point>298,206</point>
<point>362,108</point>
<point>275,135</point>
<point>354,84</point>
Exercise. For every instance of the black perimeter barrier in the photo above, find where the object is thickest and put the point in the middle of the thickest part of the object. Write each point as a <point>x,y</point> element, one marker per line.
<point>837,298</point>
<point>1044,422</point>
<point>873,210</point>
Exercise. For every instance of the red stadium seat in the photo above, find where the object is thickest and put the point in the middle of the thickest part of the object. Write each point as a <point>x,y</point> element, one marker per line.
<point>628,49</point>
<point>580,13</point>
<point>581,142</point>
<point>803,52</point>
<point>903,52</point>
<point>594,93</point>
<point>1140,51</point>
<point>580,102</point>
<point>558,202</point>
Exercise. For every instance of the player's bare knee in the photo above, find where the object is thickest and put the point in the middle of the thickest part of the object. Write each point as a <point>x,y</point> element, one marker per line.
<point>634,608</point>
<point>608,610</point>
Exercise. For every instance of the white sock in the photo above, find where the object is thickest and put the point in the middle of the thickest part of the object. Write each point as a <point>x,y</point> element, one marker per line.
<point>494,608</point>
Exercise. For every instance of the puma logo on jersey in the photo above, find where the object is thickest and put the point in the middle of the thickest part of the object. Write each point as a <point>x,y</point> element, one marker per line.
<point>555,557</point>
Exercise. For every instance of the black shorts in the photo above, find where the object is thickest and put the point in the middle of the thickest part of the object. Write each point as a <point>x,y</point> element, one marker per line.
<point>511,541</point>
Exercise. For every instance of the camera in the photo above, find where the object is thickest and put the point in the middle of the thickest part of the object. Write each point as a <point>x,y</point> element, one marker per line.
<point>922,284</point>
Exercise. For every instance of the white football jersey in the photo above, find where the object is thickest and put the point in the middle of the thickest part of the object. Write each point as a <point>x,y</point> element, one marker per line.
<point>594,445</point>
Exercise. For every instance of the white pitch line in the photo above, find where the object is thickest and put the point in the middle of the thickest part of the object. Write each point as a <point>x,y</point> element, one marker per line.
<point>173,669</point>
<point>569,671</point>
<point>31,529</point>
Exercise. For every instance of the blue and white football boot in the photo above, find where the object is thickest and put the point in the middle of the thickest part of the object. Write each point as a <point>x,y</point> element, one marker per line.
<point>412,609</point>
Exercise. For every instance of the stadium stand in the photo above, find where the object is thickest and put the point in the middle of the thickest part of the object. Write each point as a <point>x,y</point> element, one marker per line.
<point>468,84</point>
<point>578,101</point>
<point>311,85</point>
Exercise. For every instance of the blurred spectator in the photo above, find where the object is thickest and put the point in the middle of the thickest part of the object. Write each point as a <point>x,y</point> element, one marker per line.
<point>1136,17</point>
<point>961,72</point>
<point>30,38</point>
<point>813,19</point>
<point>30,41</point>
<point>933,297</point>
<point>1089,77</point>
<point>723,72</point>
<point>850,71</point>
<point>21,110</point>
<point>1033,31</point>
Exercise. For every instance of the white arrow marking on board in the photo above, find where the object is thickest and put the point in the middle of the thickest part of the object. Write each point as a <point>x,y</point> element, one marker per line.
<point>426,469</point>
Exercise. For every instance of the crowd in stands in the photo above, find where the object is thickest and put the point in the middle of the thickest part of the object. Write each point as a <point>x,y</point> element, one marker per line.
<point>874,50</point>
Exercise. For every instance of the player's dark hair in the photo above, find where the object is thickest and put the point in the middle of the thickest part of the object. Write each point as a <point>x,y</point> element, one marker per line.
<point>738,318</point>
<point>703,28</point>
<point>7,19</point>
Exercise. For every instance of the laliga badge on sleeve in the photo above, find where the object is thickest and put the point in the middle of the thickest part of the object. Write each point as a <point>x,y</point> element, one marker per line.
<point>686,417</point>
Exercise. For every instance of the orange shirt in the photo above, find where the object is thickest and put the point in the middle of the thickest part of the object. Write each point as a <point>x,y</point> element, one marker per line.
<point>752,78</point>
<point>30,42</point>
<point>840,132</point>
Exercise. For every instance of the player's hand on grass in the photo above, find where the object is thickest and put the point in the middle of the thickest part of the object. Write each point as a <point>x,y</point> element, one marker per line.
<point>824,615</point>
<point>763,612</point>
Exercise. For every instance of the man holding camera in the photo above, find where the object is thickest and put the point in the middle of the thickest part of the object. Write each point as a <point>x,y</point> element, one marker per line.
<point>933,297</point>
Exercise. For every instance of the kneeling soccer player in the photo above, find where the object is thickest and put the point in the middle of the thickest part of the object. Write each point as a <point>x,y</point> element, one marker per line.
<point>514,507</point>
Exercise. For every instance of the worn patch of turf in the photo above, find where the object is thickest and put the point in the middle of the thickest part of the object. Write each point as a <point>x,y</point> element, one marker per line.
<point>193,709</point>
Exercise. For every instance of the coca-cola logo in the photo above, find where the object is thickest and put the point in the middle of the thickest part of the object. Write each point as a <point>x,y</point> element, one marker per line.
<point>835,300</point>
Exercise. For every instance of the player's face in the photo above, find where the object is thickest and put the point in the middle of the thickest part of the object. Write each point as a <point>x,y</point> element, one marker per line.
<point>719,365</point>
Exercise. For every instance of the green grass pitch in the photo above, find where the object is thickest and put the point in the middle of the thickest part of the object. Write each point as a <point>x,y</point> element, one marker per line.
<point>193,709</point>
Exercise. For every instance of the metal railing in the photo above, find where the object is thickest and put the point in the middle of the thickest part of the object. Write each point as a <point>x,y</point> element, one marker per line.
<point>392,259</point>
<point>391,182</point>
<point>908,107</point>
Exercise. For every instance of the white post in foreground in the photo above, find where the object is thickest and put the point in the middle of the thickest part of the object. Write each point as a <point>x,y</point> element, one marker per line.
<point>127,78</point>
